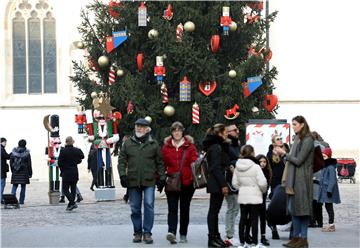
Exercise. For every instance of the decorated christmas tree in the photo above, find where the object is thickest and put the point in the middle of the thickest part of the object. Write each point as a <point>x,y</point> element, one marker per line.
<point>200,63</point>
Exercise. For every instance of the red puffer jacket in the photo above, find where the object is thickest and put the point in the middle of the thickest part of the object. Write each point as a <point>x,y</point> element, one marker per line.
<point>172,158</point>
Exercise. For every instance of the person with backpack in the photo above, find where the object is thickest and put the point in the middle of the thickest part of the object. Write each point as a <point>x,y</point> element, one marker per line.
<point>20,164</point>
<point>216,149</point>
<point>4,166</point>
<point>179,153</point>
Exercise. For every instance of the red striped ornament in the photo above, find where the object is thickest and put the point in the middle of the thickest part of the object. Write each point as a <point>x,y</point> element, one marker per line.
<point>164,93</point>
<point>111,75</point>
<point>195,114</point>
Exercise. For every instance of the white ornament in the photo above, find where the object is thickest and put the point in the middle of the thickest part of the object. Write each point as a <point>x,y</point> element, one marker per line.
<point>189,26</point>
<point>148,118</point>
<point>232,73</point>
<point>153,34</point>
<point>233,26</point>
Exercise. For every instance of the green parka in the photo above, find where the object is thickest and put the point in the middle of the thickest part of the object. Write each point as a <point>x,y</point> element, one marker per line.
<point>141,162</point>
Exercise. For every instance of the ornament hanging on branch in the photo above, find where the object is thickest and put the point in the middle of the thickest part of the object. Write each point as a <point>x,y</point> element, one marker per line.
<point>233,26</point>
<point>169,110</point>
<point>179,32</point>
<point>270,102</point>
<point>168,13</point>
<point>115,40</point>
<point>92,64</point>
<point>111,74</point>
<point>103,61</point>
<point>148,118</point>
<point>130,107</point>
<point>159,70</point>
<point>232,73</point>
<point>120,72</point>
<point>94,78</point>
<point>207,88</point>
<point>251,85</point>
<point>185,90</point>
<point>142,15</point>
<point>225,20</point>
<point>164,93</point>
<point>114,8</point>
<point>215,43</point>
<point>189,26</point>
<point>232,113</point>
<point>140,61</point>
<point>79,45</point>
<point>153,34</point>
<point>195,114</point>
<point>256,5</point>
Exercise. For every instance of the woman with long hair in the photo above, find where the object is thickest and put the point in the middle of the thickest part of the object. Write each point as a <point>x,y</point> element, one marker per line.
<point>216,150</point>
<point>297,179</point>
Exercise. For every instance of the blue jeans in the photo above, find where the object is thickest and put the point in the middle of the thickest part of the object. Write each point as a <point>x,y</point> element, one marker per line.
<point>22,192</point>
<point>300,223</point>
<point>135,199</point>
<point>3,183</point>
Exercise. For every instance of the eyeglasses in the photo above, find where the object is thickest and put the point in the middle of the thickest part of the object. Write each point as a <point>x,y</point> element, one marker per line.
<point>57,143</point>
<point>278,139</point>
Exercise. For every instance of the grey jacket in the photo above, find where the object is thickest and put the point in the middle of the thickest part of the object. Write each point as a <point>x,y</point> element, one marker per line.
<point>301,157</point>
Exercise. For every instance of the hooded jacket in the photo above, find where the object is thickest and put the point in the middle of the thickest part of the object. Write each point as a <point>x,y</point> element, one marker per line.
<point>249,179</point>
<point>22,174</point>
<point>217,157</point>
<point>173,158</point>
<point>328,183</point>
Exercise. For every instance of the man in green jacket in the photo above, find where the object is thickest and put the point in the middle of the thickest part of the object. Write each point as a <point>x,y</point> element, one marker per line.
<point>140,169</point>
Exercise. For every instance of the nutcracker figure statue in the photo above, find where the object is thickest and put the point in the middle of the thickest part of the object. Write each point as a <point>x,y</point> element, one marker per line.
<point>102,131</point>
<point>53,151</point>
<point>80,119</point>
<point>225,20</point>
<point>159,70</point>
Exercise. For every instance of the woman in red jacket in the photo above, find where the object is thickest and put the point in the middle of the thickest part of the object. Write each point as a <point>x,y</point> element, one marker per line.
<point>178,154</point>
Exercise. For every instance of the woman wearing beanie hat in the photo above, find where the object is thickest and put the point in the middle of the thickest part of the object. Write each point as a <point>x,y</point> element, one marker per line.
<point>179,153</point>
<point>329,190</point>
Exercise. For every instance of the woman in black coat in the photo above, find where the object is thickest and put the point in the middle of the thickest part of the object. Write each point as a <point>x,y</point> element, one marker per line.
<point>20,164</point>
<point>69,158</point>
<point>217,156</point>
<point>92,166</point>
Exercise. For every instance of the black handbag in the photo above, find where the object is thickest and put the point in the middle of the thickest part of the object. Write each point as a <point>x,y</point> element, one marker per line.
<point>173,181</point>
<point>199,170</point>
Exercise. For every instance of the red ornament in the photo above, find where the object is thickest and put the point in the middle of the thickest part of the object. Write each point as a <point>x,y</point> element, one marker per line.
<point>195,114</point>
<point>164,93</point>
<point>215,43</point>
<point>93,65</point>
<point>117,116</point>
<point>140,61</point>
<point>258,5</point>
<point>130,107</point>
<point>270,102</point>
<point>111,75</point>
<point>113,6</point>
<point>168,13</point>
<point>179,32</point>
<point>232,113</point>
<point>207,88</point>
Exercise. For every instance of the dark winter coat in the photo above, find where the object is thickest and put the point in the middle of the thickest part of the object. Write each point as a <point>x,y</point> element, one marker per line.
<point>276,168</point>
<point>141,162</point>
<point>234,153</point>
<point>22,174</point>
<point>69,158</point>
<point>173,156</point>
<point>4,166</point>
<point>276,213</point>
<point>217,156</point>
<point>328,183</point>
<point>300,158</point>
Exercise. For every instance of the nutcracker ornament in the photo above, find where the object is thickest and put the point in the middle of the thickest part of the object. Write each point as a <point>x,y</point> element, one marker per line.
<point>225,20</point>
<point>159,70</point>
<point>80,119</point>
<point>102,131</point>
<point>53,151</point>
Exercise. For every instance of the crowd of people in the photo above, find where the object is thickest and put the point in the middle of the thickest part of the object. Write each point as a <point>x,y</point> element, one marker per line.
<point>235,172</point>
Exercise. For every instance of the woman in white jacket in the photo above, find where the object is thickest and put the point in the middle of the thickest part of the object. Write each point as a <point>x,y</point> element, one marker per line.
<point>251,183</point>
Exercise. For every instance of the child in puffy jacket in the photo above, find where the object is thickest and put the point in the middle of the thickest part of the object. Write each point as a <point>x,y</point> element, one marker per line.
<point>249,179</point>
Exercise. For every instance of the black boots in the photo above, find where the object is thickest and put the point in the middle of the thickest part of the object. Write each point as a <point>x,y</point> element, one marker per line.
<point>79,198</point>
<point>264,241</point>
<point>216,241</point>
<point>62,199</point>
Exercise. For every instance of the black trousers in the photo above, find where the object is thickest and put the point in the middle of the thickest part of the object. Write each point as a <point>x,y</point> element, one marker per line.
<point>317,217</point>
<point>262,215</point>
<point>330,210</point>
<point>69,195</point>
<point>173,198</point>
<point>216,200</point>
<point>94,180</point>
<point>251,212</point>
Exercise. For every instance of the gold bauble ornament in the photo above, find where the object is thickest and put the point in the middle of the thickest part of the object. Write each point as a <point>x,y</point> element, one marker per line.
<point>103,61</point>
<point>148,118</point>
<point>80,45</point>
<point>233,26</point>
<point>93,94</point>
<point>232,73</point>
<point>153,34</point>
<point>189,26</point>
<point>255,110</point>
<point>120,72</point>
<point>169,110</point>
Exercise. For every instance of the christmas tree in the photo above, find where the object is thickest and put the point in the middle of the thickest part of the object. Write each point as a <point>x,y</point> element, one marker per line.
<point>214,55</point>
